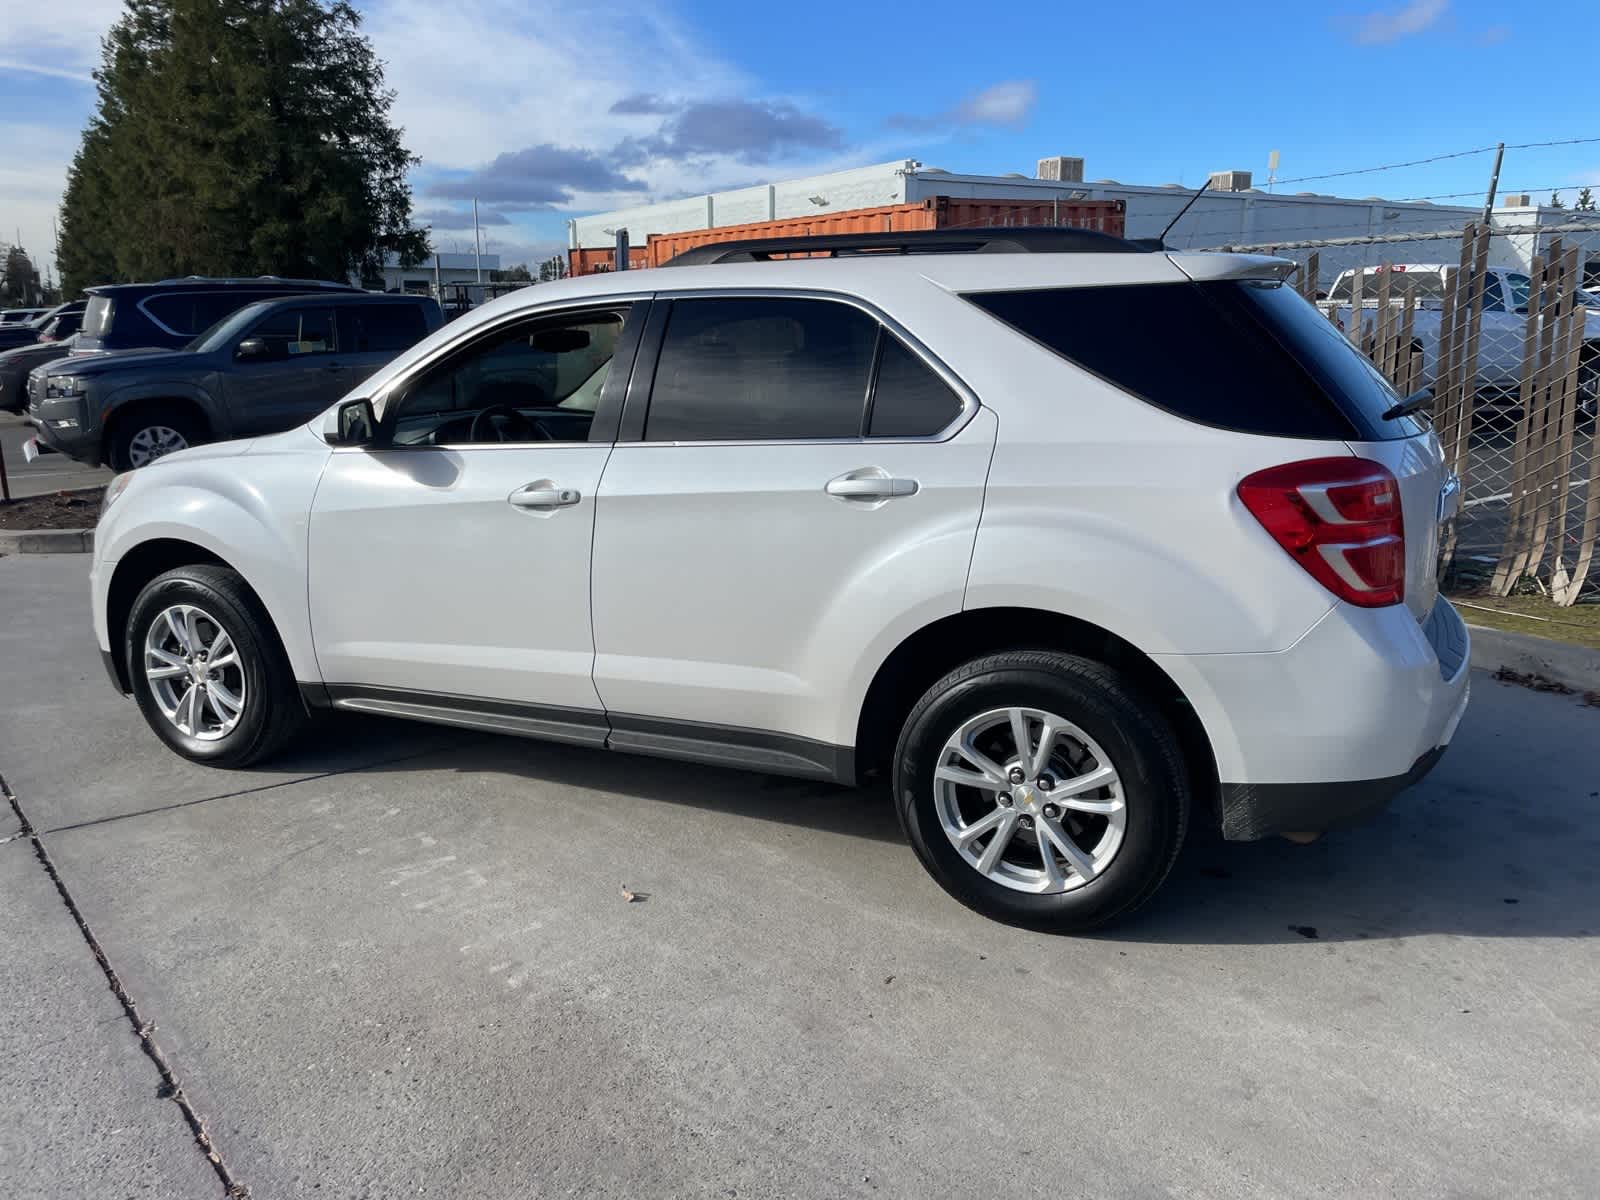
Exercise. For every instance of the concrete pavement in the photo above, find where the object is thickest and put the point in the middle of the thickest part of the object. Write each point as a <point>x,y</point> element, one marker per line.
<point>400,962</point>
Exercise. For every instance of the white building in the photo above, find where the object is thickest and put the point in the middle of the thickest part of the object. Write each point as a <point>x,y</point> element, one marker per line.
<point>445,269</point>
<point>1231,213</point>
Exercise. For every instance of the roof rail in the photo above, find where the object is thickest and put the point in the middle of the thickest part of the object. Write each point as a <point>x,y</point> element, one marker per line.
<point>1015,239</point>
<point>246,279</point>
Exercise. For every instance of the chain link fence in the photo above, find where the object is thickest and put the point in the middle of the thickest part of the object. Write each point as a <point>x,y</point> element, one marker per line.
<point>1512,355</point>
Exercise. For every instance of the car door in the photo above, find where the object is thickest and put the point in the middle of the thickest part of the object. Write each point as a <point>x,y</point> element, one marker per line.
<point>373,332</point>
<point>286,369</point>
<point>802,491</point>
<point>449,562</point>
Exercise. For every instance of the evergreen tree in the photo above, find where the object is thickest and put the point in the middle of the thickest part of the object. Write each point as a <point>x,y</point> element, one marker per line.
<point>19,279</point>
<point>1555,201</point>
<point>238,137</point>
<point>1585,202</point>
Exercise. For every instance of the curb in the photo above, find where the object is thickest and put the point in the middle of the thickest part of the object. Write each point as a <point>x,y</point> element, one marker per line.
<point>1576,667</point>
<point>46,541</point>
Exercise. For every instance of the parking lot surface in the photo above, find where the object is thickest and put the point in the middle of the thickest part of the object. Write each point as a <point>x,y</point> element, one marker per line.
<point>400,962</point>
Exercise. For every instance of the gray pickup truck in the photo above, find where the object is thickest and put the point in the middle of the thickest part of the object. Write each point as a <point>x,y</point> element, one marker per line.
<point>262,369</point>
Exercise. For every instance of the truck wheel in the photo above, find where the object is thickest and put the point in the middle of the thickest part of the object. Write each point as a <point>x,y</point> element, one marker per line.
<point>207,668</point>
<point>151,433</point>
<point>1042,789</point>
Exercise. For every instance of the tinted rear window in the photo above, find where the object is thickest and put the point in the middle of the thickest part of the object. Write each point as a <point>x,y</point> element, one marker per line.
<point>383,328</point>
<point>909,399</point>
<point>187,313</point>
<point>760,369</point>
<point>1252,357</point>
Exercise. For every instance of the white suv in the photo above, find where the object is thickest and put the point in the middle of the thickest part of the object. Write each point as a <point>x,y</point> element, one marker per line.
<point>1072,543</point>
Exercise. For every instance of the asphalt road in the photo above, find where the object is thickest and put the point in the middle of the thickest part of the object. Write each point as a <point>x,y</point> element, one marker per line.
<point>47,473</point>
<point>399,962</point>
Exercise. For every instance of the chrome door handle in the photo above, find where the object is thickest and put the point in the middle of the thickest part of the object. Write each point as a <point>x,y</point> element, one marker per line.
<point>860,485</point>
<point>544,496</point>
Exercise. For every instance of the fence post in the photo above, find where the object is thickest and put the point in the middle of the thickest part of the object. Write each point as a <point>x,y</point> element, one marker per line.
<point>1513,550</point>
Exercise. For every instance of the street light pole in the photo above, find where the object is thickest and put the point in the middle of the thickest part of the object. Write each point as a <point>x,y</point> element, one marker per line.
<point>477,246</point>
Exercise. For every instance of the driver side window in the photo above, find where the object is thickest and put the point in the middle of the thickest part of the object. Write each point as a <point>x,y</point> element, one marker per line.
<point>533,381</point>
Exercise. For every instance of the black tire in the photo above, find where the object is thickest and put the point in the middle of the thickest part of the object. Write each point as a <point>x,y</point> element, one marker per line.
<point>1111,711</point>
<point>272,711</point>
<point>127,430</point>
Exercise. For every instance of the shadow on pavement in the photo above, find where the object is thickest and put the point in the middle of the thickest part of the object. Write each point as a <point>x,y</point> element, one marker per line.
<point>1453,855</point>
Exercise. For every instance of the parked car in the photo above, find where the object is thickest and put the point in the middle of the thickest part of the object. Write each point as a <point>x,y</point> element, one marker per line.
<point>264,368</point>
<point>62,323</point>
<point>169,314</point>
<point>23,332</point>
<point>21,316</point>
<point>15,365</point>
<point>1503,328</point>
<point>1072,544</point>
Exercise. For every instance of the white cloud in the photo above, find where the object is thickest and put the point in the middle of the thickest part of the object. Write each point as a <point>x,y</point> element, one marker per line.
<point>1003,104</point>
<point>1006,103</point>
<point>474,80</point>
<point>1389,26</point>
<point>33,171</point>
<point>57,37</point>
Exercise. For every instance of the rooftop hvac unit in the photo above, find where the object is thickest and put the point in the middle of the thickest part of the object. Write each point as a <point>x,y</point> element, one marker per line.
<point>1230,181</point>
<point>1060,168</point>
<point>1516,200</point>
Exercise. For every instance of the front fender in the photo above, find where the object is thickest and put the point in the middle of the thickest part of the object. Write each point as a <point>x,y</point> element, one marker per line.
<point>167,389</point>
<point>251,510</point>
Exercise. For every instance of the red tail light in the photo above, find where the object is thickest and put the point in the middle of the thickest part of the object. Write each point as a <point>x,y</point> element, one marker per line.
<point>1340,519</point>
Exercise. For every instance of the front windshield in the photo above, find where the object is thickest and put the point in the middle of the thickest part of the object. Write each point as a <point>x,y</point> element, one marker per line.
<point>225,330</point>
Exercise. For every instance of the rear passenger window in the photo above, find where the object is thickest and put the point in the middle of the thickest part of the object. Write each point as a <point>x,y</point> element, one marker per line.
<point>758,369</point>
<point>1243,356</point>
<point>188,313</point>
<point>381,328</point>
<point>910,400</point>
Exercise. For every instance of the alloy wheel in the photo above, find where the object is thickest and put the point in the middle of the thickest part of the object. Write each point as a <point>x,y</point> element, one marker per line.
<point>1029,800</point>
<point>194,671</point>
<point>153,442</point>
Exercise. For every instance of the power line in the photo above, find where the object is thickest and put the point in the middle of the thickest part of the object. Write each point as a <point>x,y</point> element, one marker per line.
<point>1415,162</point>
<point>1563,187</point>
<point>1418,162</point>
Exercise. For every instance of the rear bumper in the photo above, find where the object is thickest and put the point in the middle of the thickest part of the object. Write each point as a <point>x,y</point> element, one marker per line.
<point>1331,729</point>
<point>1256,810</point>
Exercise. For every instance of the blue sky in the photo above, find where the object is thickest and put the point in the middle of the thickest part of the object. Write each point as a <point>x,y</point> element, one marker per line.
<point>546,111</point>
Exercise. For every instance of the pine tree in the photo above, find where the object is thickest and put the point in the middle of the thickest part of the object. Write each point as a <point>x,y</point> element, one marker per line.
<point>1555,201</point>
<point>238,137</point>
<point>19,279</point>
<point>1585,202</point>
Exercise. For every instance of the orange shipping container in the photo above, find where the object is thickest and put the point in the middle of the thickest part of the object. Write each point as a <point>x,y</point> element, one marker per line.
<point>938,212</point>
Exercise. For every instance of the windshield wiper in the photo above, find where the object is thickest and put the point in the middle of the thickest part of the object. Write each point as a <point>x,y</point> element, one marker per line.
<point>1412,403</point>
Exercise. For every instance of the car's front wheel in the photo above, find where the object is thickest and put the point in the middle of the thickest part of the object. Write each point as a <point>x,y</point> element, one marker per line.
<point>152,432</point>
<point>1042,789</point>
<point>207,669</point>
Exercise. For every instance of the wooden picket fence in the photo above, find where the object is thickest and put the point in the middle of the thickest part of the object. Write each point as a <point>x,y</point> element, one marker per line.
<point>1550,529</point>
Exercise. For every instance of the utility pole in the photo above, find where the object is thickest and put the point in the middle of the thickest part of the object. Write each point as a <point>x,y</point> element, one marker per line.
<point>477,246</point>
<point>1494,182</point>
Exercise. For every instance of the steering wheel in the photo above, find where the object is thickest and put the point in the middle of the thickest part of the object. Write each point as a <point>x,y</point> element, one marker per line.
<point>513,428</point>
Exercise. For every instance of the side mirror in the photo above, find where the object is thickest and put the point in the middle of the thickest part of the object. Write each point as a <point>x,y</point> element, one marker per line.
<point>253,349</point>
<point>354,424</point>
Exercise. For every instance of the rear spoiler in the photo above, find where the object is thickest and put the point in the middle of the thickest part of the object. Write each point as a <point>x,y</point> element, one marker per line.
<point>1204,267</point>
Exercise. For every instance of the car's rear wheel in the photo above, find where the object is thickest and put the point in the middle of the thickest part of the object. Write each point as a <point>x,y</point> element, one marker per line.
<point>207,669</point>
<point>151,433</point>
<point>1042,789</point>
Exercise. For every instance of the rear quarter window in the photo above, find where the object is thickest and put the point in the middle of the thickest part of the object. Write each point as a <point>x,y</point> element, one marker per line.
<point>97,316</point>
<point>1241,355</point>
